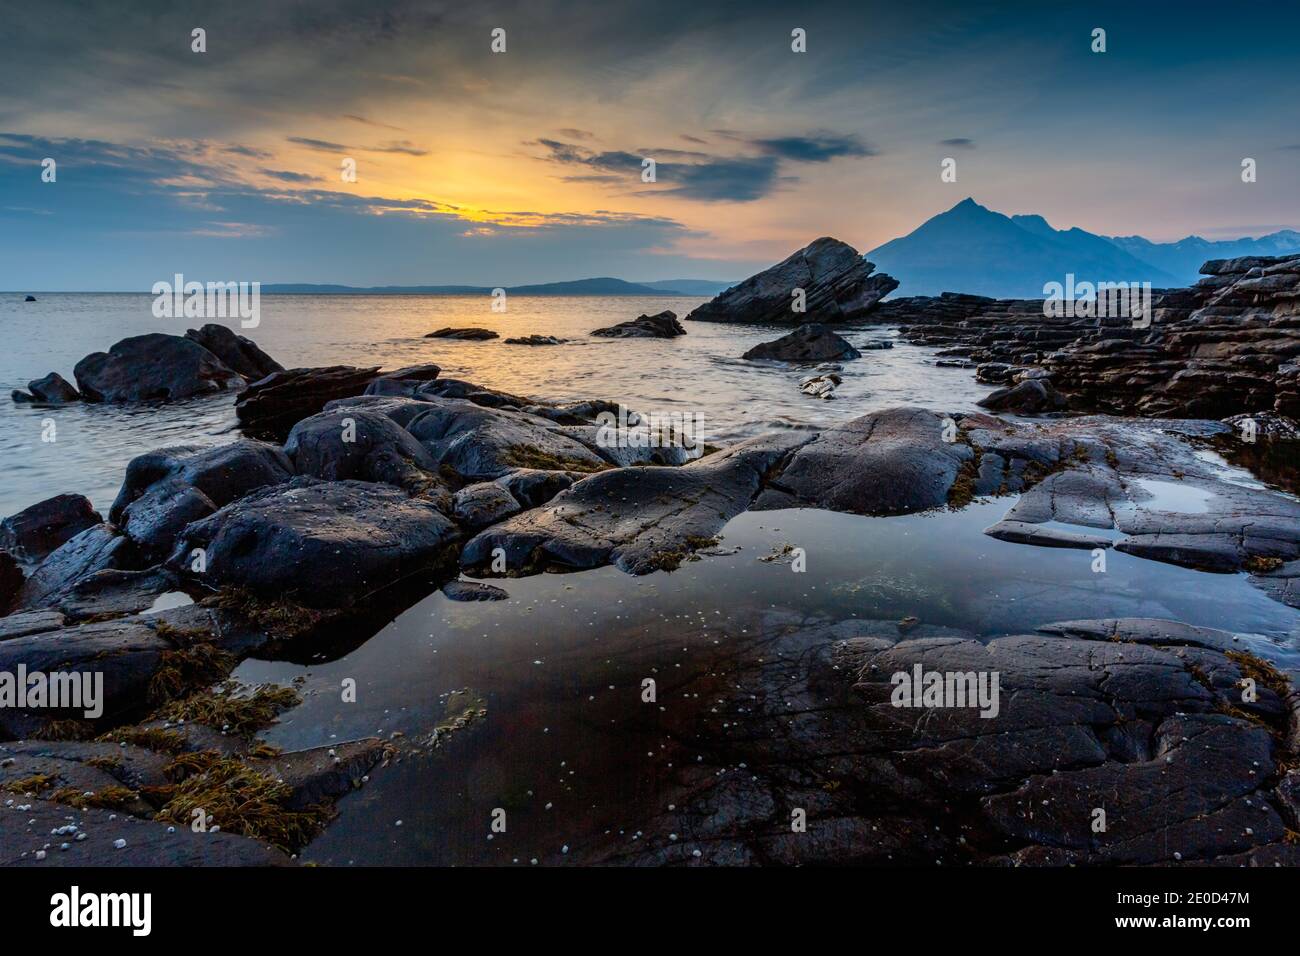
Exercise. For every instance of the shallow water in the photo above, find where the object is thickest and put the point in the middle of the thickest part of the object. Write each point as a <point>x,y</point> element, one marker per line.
<point>699,373</point>
<point>560,664</point>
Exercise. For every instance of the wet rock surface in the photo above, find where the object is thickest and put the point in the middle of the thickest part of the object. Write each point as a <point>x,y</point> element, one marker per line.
<point>663,325</point>
<point>52,389</point>
<point>837,282</point>
<point>271,406</point>
<point>31,534</point>
<point>807,344</point>
<point>153,368</point>
<point>474,335</point>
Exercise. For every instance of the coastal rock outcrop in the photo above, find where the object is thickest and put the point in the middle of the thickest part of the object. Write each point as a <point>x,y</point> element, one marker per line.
<point>237,352</point>
<point>53,389</point>
<point>837,285</point>
<point>663,325</point>
<point>807,344</point>
<point>464,334</point>
<point>366,445</point>
<point>153,368</point>
<point>271,406</point>
<point>31,534</point>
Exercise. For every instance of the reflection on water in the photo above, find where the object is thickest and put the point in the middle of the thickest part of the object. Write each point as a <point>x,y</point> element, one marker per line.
<point>700,372</point>
<point>560,666</point>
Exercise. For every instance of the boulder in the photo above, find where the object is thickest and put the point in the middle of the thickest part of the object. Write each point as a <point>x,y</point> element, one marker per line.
<point>166,489</point>
<point>31,534</point>
<point>837,283</point>
<point>403,381</point>
<point>53,389</point>
<point>807,344</point>
<point>236,351</point>
<point>320,544</point>
<point>95,549</point>
<point>356,443</point>
<point>821,386</point>
<point>270,407</point>
<point>482,504</point>
<point>473,591</point>
<point>153,368</point>
<point>1029,397</point>
<point>664,325</point>
<point>535,340</point>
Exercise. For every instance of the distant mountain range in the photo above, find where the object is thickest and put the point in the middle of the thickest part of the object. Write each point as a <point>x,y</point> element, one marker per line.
<point>599,286</point>
<point>971,248</point>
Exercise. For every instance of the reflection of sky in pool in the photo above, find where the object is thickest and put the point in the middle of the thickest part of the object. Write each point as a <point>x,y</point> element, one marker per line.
<point>560,663</point>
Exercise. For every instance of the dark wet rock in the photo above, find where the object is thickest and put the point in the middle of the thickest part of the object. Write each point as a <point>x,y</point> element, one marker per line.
<point>664,325</point>
<point>237,352</point>
<point>1030,397</point>
<point>535,340</point>
<point>31,534</point>
<point>1282,583</point>
<point>806,344</point>
<point>635,445</point>
<point>112,593</point>
<point>877,345</point>
<point>321,544</point>
<point>403,381</point>
<point>478,394</point>
<point>480,443</point>
<point>94,762</point>
<point>126,652</point>
<point>30,298</point>
<point>482,504</point>
<point>366,445</point>
<point>837,284</point>
<point>146,842</point>
<point>166,489</point>
<point>30,622</point>
<point>95,549</point>
<point>11,581</point>
<point>642,519</point>
<point>153,368</point>
<point>323,774</point>
<point>399,408</point>
<point>532,487</point>
<point>890,462</point>
<point>473,591</point>
<point>53,389</point>
<point>270,407</point>
<point>469,334</point>
<point>1266,425</point>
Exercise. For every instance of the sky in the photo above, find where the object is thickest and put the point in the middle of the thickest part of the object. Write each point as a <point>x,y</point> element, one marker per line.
<point>483,168</point>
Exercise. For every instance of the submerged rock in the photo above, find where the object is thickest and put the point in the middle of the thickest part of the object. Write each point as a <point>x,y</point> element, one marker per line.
<point>806,344</point>
<point>153,368</point>
<point>471,334</point>
<point>53,389</point>
<point>535,340</point>
<point>664,325</point>
<point>836,281</point>
<point>821,386</point>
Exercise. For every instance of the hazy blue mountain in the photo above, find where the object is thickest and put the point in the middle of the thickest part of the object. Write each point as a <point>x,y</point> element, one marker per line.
<point>1184,257</point>
<point>972,249</point>
<point>708,287</point>
<point>600,286</point>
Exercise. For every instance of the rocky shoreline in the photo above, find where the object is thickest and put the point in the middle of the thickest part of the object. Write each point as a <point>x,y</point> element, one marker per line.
<point>355,492</point>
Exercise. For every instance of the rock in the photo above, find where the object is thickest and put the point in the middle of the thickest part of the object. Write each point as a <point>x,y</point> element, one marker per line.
<point>807,344</point>
<point>836,281</point>
<point>30,622</point>
<point>11,582</point>
<point>403,381</point>
<point>321,775</point>
<point>890,462</point>
<point>153,368</point>
<point>114,593</point>
<point>366,445</point>
<point>53,389</point>
<point>484,443</point>
<point>95,549</point>
<point>400,409</point>
<point>532,487</point>
<point>127,653</point>
<point>876,345</point>
<point>643,518</point>
<point>1021,532</point>
<point>1030,397</point>
<point>1266,424</point>
<point>482,504</point>
<point>270,407</point>
<point>471,334</point>
<point>236,351</point>
<point>535,340</point>
<point>661,326</point>
<point>321,544</point>
<point>821,386</point>
<point>166,489</point>
<point>31,534</point>
<point>30,298</point>
<point>473,591</point>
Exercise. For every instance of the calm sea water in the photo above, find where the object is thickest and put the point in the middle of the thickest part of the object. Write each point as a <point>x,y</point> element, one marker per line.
<point>700,372</point>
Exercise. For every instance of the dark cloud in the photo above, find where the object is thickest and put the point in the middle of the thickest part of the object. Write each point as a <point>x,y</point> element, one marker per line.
<point>960,142</point>
<point>317,144</point>
<point>285,176</point>
<point>814,148</point>
<point>370,122</point>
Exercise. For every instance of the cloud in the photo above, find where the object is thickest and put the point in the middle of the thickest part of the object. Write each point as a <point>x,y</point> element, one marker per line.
<point>285,176</point>
<point>960,142</point>
<point>813,149</point>
<point>317,144</point>
<point>576,133</point>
